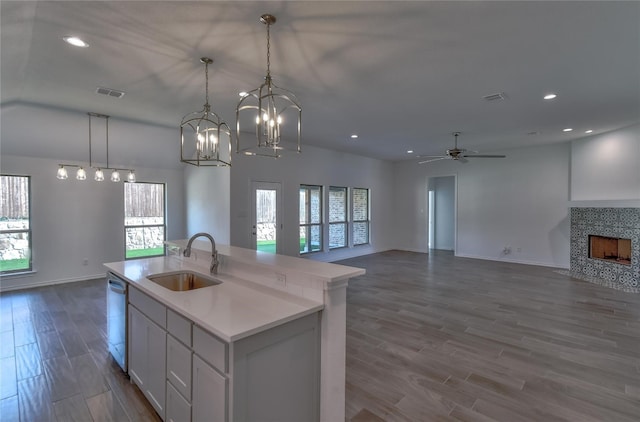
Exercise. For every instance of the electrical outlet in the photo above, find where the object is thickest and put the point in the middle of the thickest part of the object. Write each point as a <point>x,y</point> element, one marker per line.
<point>506,250</point>
<point>519,250</point>
<point>85,262</point>
<point>281,279</point>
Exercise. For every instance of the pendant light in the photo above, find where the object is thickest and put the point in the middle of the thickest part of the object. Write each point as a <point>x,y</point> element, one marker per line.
<point>62,172</point>
<point>81,173</point>
<point>205,139</point>
<point>273,113</point>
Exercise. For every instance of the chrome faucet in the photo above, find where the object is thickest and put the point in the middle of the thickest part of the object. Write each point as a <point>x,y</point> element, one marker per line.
<point>214,252</point>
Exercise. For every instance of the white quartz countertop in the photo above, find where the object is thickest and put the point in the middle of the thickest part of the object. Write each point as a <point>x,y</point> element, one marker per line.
<point>329,273</point>
<point>232,310</point>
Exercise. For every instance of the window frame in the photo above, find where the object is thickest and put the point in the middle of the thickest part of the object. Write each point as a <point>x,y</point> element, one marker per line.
<point>308,224</point>
<point>367,220</point>
<point>143,226</point>
<point>29,231</point>
<point>344,222</point>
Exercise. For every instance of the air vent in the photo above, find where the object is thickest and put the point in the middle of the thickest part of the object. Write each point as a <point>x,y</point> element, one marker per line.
<point>495,97</point>
<point>110,92</point>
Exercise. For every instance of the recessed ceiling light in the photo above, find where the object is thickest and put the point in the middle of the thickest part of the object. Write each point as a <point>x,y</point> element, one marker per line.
<point>588,131</point>
<point>550,96</point>
<point>410,151</point>
<point>567,129</point>
<point>354,136</point>
<point>76,42</point>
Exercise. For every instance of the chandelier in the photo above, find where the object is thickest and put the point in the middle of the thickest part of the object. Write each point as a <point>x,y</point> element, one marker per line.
<point>81,173</point>
<point>205,139</point>
<point>273,113</point>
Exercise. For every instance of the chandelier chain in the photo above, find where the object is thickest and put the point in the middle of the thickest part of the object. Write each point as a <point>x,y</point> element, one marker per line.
<point>206,89</point>
<point>268,50</point>
<point>90,161</point>
<point>106,119</point>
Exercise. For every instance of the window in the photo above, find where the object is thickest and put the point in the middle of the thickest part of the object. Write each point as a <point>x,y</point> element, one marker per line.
<point>144,223</point>
<point>337,217</point>
<point>15,224</point>
<point>310,218</point>
<point>360,216</point>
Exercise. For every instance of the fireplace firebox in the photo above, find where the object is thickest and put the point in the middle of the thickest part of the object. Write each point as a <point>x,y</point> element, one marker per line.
<point>610,249</point>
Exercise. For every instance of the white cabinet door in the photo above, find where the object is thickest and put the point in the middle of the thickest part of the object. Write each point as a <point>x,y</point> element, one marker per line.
<point>178,409</point>
<point>209,401</point>
<point>137,347</point>
<point>147,357</point>
<point>157,367</point>
<point>179,366</point>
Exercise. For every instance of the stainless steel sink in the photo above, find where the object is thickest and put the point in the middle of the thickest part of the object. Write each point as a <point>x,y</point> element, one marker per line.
<point>180,281</point>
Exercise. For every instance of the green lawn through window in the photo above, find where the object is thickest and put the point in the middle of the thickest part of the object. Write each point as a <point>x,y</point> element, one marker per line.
<point>267,246</point>
<point>14,264</point>
<point>270,245</point>
<point>141,253</point>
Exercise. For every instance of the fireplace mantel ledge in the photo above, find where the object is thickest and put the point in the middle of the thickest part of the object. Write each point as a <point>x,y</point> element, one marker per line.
<point>606,203</point>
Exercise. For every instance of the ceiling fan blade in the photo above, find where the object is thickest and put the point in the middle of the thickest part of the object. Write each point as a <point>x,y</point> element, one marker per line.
<point>486,156</point>
<point>462,159</point>
<point>431,156</point>
<point>433,159</point>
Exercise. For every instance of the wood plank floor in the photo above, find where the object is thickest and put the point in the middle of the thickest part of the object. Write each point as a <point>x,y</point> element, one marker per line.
<point>435,337</point>
<point>429,338</point>
<point>54,364</point>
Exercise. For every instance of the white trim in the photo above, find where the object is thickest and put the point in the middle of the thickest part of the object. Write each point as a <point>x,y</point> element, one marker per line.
<point>15,274</point>
<point>512,261</point>
<point>425,251</point>
<point>21,286</point>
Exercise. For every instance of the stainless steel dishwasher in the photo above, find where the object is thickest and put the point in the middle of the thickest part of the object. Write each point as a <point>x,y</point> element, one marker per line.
<point>117,319</point>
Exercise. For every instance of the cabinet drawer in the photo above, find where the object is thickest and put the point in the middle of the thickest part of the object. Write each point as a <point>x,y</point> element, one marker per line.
<point>179,327</point>
<point>179,366</point>
<point>210,348</point>
<point>151,308</point>
<point>178,409</point>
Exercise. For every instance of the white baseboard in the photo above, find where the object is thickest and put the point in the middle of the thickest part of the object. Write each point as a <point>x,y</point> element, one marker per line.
<point>20,285</point>
<point>412,250</point>
<point>513,261</point>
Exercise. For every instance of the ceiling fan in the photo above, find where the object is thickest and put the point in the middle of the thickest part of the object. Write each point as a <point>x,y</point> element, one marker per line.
<point>455,153</point>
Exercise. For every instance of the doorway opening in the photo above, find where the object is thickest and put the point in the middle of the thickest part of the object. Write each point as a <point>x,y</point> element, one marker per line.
<point>442,213</point>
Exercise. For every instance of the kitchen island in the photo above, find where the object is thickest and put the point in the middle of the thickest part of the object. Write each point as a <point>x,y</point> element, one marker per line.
<point>261,296</point>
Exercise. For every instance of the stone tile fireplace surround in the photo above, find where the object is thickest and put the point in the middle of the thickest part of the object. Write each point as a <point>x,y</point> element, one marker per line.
<point>607,222</point>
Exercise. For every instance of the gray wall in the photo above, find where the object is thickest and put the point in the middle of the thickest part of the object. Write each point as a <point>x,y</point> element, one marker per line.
<point>519,201</point>
<point>207,191</point>
<point>314,166</point>
<point>74,221</point>
<point>606,166</point>
<point>523,201</point>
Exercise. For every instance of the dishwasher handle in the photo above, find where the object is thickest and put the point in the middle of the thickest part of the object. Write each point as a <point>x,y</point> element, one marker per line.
<point>117,287</point>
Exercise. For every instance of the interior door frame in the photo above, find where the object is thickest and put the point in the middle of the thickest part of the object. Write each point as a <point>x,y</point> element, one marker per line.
<point>455,209</point>
<point>262,185</point>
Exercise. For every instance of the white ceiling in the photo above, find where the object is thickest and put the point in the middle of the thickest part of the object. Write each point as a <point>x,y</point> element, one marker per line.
<point>402,75</point>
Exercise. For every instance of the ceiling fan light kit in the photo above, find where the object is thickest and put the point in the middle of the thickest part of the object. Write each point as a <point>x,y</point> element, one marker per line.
<point>457,154</point>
